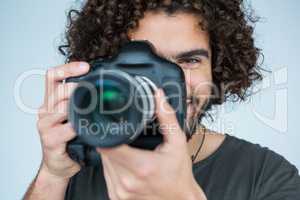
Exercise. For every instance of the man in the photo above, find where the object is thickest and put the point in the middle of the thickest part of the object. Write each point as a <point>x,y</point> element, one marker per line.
<point>212,42</point>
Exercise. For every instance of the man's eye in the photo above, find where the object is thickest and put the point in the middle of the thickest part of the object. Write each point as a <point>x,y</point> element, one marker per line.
<point>193,61</point>
<point>190,62</point>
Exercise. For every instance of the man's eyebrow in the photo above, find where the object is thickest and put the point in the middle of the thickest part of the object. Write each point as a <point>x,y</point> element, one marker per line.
<point>191,53</point>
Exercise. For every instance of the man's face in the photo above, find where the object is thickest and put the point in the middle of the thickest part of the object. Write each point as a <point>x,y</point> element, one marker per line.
<point>180,39</point>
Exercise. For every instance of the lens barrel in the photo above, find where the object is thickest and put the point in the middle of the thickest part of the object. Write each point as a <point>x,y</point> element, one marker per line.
<point>112,107</point>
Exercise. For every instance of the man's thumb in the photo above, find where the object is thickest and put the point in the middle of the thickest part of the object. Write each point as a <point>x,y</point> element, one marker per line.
<point>167,119</point>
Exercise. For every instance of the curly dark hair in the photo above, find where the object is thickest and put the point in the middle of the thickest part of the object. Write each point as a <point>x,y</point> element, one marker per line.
<point>100,28</point>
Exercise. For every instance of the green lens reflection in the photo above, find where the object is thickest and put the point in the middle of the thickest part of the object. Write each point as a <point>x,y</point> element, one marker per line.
<point>110,95</point>
<point>112,99</point>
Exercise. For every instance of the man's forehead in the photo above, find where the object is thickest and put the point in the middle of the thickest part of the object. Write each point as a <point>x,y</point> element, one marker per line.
<point>171,36</point>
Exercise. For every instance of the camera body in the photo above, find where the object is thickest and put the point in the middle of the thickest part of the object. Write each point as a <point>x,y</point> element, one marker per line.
<point>135,71</point>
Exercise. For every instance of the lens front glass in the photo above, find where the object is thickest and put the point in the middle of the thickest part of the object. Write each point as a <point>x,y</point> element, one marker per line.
<point>112,97</point>
<point>118,109</point>
<point>112,101</point>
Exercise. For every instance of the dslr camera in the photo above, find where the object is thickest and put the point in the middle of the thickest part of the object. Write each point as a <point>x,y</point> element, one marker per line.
<point>114,103</point>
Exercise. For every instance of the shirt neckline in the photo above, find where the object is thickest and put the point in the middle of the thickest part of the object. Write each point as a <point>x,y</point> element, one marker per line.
<point>215,153</point>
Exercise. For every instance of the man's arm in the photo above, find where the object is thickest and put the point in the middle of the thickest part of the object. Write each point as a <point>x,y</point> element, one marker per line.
<point>46,186</point>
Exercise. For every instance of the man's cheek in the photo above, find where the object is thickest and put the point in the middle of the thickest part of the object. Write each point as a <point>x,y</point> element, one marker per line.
<point>200,80</point>
<point>202,89</point>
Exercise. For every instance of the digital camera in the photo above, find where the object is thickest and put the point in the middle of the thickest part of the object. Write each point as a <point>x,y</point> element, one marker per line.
<point>114,103</point>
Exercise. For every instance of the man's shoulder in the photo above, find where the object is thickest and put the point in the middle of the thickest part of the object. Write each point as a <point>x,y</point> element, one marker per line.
<point>238,155</point>
<point>244,164</point>
<point>266,165</point>
<point>274,176</point>
<point>231,148</point>
<point>254,152</point>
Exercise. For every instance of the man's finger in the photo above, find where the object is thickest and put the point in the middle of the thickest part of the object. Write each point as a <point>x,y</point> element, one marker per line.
<point>72,69</point>
<point>57,74</point>
<point>58,115</point>
<point>110,177</point>
<point>167,119</point>
<point>126,155</point>
<point>64,132</point>
<point>61,93</point>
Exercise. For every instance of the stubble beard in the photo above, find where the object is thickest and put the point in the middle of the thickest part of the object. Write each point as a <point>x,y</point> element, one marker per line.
<point>198,108</point>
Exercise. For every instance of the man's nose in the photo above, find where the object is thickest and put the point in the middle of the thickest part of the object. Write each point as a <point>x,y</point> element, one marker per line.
<point>187,74</point>
<point>188,79</point>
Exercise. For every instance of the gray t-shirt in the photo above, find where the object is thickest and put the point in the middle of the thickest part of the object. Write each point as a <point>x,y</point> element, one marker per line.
<point>237,170</point>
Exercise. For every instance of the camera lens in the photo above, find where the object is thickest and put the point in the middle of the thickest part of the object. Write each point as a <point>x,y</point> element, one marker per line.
<point>114,106</point>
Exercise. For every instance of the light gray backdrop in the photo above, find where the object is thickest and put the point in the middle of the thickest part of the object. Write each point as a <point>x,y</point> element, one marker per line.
<point>31,30</point>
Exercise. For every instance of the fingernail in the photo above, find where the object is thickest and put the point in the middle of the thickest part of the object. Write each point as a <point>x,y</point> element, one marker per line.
<point>162,93</point>
<point>162,96</point>
<point>158,92</point>
<point>83,66</point>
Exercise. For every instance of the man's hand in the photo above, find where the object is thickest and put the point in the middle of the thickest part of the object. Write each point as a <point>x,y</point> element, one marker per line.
<point>163,174</point>
<point>54,133</point>
<point>57,167</point>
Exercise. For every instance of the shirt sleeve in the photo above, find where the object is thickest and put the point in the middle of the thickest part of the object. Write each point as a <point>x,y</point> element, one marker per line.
<point>279,179</point>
